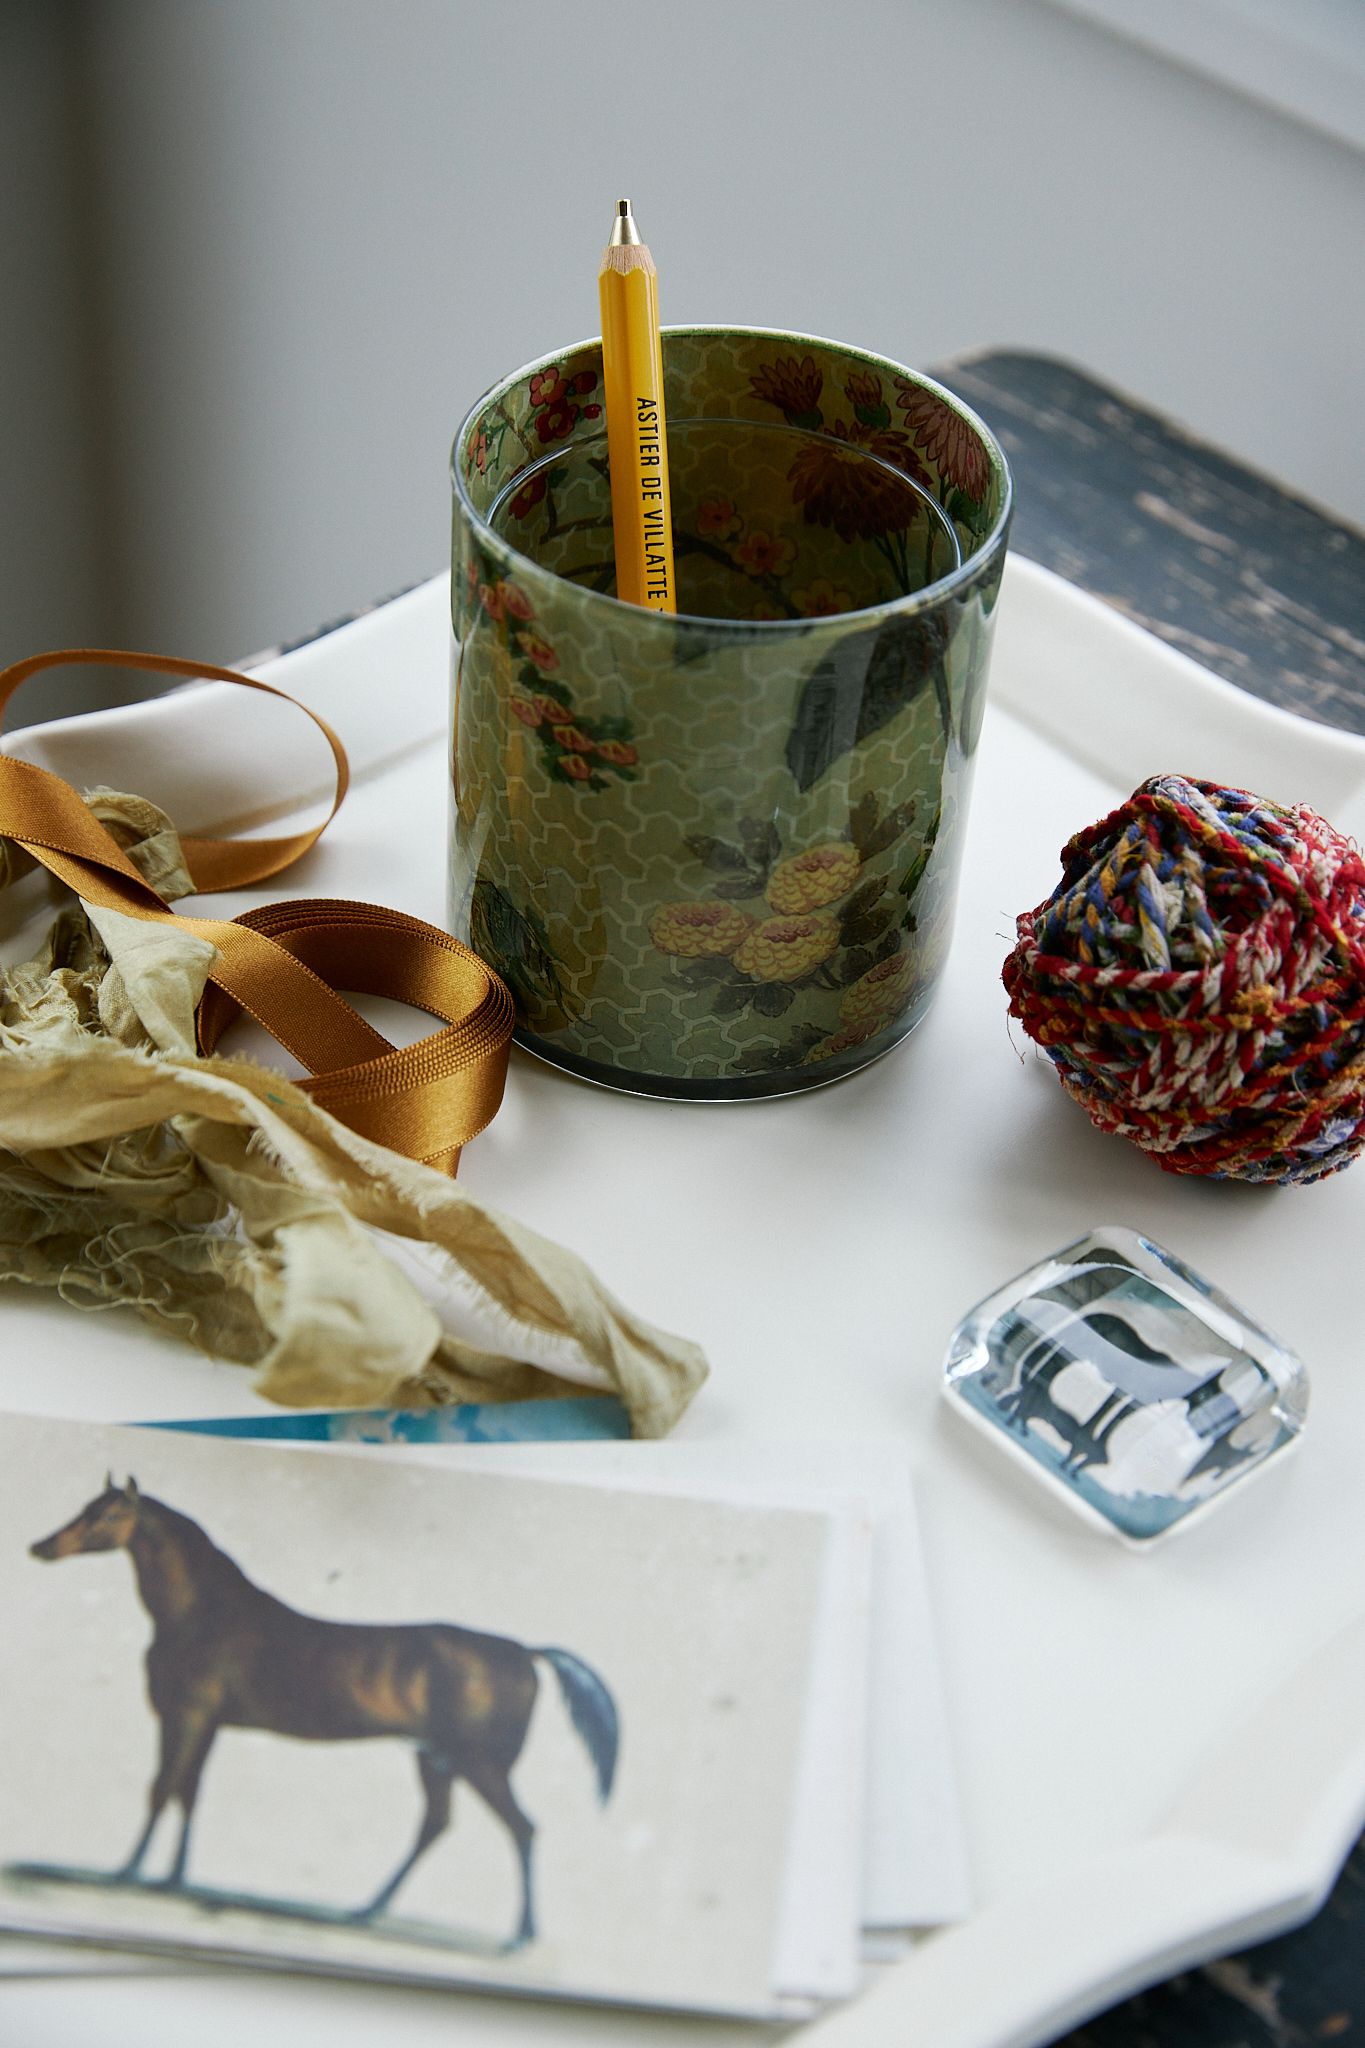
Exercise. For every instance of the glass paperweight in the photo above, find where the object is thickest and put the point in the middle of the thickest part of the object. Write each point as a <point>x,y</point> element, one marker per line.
<point>1126,1381</point>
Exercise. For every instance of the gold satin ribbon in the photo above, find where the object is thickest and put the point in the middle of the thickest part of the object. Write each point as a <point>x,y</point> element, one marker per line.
<point>284,963</point>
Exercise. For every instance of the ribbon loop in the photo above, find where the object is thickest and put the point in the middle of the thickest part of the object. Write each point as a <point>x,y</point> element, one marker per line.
<point>285,963</point>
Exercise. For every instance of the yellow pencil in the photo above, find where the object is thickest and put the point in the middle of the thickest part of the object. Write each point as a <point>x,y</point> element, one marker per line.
<point>637,439</point>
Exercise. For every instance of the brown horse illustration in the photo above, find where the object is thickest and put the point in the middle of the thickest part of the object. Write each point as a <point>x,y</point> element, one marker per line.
<point>226,1654</point>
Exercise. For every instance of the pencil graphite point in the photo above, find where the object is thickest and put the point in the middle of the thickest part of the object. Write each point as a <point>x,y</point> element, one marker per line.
<point>624,233</point>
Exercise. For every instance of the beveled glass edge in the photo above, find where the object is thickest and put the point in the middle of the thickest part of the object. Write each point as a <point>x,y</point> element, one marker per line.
<point>1174,1272</point>
<point>1032,1469</point>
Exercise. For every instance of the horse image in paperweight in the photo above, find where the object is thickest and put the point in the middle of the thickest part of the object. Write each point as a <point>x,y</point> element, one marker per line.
<point>1125,1380</point>
<point>714,855</point>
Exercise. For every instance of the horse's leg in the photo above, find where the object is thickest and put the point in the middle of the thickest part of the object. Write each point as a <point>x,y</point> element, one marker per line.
<point>186,1738</point>
<point>437,1779</point>
<point>491,1782</point>
<point>131,1868</point>
<point>192,1758</point>
<point>159,1793</point>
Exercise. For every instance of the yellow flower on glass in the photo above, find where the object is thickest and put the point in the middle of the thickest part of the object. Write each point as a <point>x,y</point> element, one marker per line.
<point>764,554</point>
<point>539,651</point>
<point>846,1040</point>
<point>879,992</point>
<point>717,519</point>
<point>787,948</point>
<point>698,931</point>
<point>572,738</point>
<point>822,599</point>
<point>820,875</point>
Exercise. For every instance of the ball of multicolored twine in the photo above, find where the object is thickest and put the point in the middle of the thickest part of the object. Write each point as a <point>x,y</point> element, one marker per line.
<point>1198,981</point>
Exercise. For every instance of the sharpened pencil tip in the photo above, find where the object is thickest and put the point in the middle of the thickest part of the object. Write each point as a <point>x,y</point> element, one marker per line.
<point>623,207</point>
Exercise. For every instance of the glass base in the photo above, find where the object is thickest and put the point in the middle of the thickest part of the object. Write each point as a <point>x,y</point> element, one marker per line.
<point>742,1088</point>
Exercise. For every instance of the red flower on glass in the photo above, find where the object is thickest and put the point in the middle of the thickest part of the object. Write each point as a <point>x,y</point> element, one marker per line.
<point>539,651</point>
<point>515,603</point>
<point>526,710</point>
<point>891,444</point>
<point>950,444</point>
<point>792,384</point>
<point>863,388</point>
<point>585,381</point>
<point>618,753</point>
<point>573,739</point>
<point>717,519</point>
<point>556,420</point>
<point>547,386</point>
<point>838,487</point>
<point>576,766</point>
<point>528,497</point>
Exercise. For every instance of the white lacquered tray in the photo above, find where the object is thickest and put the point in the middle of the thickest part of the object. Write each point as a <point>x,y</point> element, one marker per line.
<point>1162,1755</point>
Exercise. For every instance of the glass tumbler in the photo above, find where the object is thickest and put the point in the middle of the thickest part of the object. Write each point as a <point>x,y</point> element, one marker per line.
<point>714,855</point>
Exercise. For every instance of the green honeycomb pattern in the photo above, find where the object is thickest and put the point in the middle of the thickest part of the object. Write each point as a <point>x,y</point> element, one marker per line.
<point>618,777</point>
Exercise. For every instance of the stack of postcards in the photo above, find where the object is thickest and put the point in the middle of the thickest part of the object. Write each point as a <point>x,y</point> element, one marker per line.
<point>630,1722</point>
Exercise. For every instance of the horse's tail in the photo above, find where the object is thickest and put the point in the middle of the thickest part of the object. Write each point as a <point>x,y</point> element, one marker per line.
<point>591,1709</point>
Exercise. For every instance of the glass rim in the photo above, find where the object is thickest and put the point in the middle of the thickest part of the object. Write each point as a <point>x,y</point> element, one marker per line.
<point>932,594</point>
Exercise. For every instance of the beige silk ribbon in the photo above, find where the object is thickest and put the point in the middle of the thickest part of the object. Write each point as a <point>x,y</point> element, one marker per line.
<point>284,963</point>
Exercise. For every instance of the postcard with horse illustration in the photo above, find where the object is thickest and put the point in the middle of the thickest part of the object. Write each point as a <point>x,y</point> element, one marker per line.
<point>303,1706</point>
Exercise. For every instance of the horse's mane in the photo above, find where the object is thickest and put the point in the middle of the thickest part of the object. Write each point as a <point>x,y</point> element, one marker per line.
<point>199,1547</point>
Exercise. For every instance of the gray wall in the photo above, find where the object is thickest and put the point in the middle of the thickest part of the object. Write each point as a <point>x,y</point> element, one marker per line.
<point>50,575</point>
<point>299,236</point>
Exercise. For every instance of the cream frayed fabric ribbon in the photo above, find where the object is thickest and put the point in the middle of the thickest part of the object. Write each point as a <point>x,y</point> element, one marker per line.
<point>228,1206</point>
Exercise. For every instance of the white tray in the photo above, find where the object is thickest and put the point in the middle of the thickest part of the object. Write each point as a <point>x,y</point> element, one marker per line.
<point>1163,1755</point>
